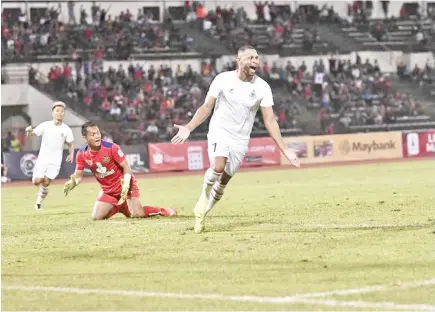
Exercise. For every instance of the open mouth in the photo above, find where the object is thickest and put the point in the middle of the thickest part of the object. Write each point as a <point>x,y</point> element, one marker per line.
<point>254,68</point>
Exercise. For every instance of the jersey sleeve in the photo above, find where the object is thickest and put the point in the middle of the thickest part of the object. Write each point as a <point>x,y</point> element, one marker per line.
<point>80,162</point>
<point>215,87</point>
<point>69,136</point>
<point>39,130</point>
<point>267,100</point>
<point>117,154</point>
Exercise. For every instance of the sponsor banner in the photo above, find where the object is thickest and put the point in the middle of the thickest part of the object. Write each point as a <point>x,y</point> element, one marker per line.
<point>21,164</point>
<point>262,152</point>
<point>171,157</point>
<point>137,157</point>
<point>419,144</point>
<point>194,156</point>
<point>347,147</point>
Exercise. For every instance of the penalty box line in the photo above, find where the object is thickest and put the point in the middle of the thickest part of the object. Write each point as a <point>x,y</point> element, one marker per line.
<point>308,298</point>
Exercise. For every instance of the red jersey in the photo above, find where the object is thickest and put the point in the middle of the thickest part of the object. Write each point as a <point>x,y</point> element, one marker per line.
<point>104,164</point>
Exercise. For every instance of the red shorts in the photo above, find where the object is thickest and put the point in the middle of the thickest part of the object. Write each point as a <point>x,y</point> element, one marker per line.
<point>114,198</point>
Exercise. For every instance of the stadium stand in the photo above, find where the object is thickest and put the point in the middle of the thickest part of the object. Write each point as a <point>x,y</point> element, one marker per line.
<point>276,28</point>
<point>137,105</point>
<point>147,102</point>
<point>393,34</point>
<point>410,31</point>
<point>107,37</point>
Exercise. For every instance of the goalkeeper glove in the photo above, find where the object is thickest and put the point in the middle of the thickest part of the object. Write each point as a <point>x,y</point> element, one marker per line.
<point>125,184</point>
<point>70,184</point>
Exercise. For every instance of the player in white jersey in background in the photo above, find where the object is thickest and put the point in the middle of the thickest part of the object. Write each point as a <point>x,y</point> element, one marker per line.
<point>235,97</point>
<point>54,135</point>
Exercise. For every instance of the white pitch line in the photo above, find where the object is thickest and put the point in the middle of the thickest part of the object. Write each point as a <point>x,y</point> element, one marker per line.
<point>363,226</point>
<point>302,299</point>
<point>370,289</point>
<point>365,304</point>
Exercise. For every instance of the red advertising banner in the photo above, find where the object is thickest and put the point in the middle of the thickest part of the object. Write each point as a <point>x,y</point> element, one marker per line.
<point>419,144</point>
<point>181,157</point>
<point>194,156</point>
<point>262,152</point>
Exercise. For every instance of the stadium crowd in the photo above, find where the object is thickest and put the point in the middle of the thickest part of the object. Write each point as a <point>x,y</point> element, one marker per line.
<point>152,100</point>
<point>360,94</point>
<point>233,27</point>
<point>411,26</point>
<point>101,36</point>
<point>424,78</point>
<point>148,103</point>
<point>142,105</point>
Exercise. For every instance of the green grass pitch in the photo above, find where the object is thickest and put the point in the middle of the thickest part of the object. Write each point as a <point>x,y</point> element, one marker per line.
<point>275,234</point>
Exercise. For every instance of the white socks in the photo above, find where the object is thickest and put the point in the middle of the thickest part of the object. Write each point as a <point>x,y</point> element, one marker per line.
<point>216,194</point>
<point>210,178</point>
<point>42,193</point>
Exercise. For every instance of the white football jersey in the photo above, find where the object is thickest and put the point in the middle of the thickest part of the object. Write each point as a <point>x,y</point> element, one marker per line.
<point>53,141</point>
<point>237,103</point>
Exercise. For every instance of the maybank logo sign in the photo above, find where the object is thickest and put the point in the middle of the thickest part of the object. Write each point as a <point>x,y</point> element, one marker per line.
<point>346,147</point>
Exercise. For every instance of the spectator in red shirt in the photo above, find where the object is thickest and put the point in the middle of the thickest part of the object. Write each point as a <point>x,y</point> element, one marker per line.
<point>147,87</point>
<point>98,53</point>
<point>105,106</point>
<point>52,74</point>
<point>5,31</point>
<point>67,71</point>
<point>279,30</point>
<point>308,93</point>
<point>403,12</point>
<point>137,72</point>
<point>330,129</point>
<point>88,33</point>
<point>88,100</point>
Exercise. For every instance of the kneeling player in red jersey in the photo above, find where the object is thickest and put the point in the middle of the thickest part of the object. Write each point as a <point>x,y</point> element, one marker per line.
<point>119,190</point>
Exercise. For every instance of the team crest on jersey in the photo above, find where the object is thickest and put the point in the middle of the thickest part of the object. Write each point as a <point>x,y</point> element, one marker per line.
<point>106,159</point>
<point>89,162</point>
<point>252,95</point>
<point>101,171</point>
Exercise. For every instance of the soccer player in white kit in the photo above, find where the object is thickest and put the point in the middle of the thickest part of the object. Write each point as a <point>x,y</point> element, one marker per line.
<point>54,135</point>
<point>235,97</point>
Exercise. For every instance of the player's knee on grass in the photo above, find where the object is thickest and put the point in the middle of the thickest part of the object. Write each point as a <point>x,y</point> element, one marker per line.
<point>219,164</point>
<point>136,208</point>
<point>101,210</point>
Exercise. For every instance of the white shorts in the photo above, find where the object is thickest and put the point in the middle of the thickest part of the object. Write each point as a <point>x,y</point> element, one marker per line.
<point>234,151</point>
<point>42,170</point>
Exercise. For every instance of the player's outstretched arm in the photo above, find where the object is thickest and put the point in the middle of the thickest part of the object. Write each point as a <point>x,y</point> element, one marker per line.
<point>69,140</point>
<point>73,181</point>
<point>70,157</point>
<point>35,132</point>
<point>200,116</point>
<point>76,176</point>
<point>275,132</point>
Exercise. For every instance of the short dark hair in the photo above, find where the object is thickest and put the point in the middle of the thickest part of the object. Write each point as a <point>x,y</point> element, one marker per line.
<point>87,125</point>
<point>244,48</point>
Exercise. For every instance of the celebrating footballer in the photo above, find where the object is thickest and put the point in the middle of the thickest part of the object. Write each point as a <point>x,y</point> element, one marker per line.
<point>235,97</point>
